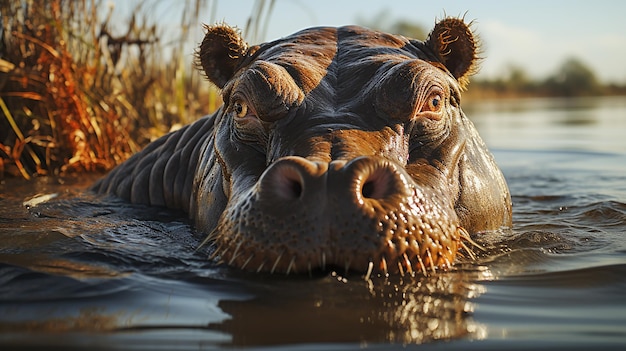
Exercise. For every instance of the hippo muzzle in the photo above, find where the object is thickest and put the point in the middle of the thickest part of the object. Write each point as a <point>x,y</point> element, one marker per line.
<point>336,148</point>
<point>366,214</point>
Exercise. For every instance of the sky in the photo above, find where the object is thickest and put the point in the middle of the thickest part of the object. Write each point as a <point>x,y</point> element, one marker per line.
<point>536,35</point>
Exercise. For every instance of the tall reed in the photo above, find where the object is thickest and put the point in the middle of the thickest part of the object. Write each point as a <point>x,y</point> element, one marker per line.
<point>79,94</point>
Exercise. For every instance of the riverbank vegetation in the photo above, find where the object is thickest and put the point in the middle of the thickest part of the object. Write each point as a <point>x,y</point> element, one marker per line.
<point>81,89</point>
<point>573,78</point>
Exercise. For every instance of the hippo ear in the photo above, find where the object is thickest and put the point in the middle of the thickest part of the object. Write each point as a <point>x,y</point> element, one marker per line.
<point>456,47</point>
<point>220,53</point>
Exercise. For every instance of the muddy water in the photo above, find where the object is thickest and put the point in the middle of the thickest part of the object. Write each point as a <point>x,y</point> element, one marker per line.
<point>78,272</point>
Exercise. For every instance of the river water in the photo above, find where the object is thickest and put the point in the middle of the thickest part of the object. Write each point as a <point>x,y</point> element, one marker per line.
<point>77,272</point>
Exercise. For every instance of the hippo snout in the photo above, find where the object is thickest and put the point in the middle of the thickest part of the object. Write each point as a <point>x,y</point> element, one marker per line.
<point>297,182</point>
<point>365,214</point>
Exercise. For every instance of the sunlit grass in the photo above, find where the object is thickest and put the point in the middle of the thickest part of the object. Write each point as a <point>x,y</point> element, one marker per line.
<point>77,95</point>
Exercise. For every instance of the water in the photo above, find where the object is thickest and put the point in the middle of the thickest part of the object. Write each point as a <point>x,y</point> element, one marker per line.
<point>82,273</point>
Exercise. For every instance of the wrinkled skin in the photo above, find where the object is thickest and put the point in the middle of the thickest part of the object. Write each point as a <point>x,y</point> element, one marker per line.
<point>335,147</point>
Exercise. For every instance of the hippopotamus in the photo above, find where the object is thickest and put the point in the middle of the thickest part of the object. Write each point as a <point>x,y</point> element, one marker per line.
<point>335,148</point>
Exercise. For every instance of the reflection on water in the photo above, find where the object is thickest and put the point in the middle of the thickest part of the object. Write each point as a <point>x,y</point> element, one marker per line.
<point>77,271</point>
<point>591,124</point>
<point>410,310</point>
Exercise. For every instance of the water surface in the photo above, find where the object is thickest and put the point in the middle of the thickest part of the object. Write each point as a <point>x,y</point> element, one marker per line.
<point>79,272</point>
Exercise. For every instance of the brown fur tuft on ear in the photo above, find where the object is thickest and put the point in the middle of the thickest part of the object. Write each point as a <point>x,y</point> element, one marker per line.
<point>220,53</point>
<point>456,47</point>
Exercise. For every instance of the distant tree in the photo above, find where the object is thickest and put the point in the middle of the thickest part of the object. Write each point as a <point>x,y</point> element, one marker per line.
<point>517,77</point>
<point>516,80</point>
<point>573,78</point>
<point>408,29</point>
<point>382,21</point>
<point>513,81</point>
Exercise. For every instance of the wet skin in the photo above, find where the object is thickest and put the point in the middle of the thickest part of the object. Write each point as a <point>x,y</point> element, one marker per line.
<point>335,147</point>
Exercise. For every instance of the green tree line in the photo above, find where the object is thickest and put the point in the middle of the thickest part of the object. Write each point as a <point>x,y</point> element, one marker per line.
<point>571,79</point>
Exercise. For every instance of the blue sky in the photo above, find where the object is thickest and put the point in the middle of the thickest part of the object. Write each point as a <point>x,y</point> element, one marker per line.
<point>535,35</point>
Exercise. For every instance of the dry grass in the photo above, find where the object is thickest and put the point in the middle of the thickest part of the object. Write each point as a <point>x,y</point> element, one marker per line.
<point>77,96</point>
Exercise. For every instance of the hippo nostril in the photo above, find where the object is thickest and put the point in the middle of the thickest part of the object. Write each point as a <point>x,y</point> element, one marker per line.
<point>378,184</point>
<point>295,187</point>
<point>289,183</point>
<point>368,189</point>
<point>291,179</point>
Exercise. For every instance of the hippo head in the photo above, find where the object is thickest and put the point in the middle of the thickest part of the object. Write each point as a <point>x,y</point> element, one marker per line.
<point>344,148</point>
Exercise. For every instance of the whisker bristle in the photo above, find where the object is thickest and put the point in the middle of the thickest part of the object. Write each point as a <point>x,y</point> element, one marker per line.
<point>400,268</point>
<point>383,263</point>
<point>422,265</point>
<point>407,263</point>
<point>213,255</point>
<point>291,264</point>
<point>431,261</point>
<point>463,234</point>
<point>247,261</point>
<point>467,251</point>
<point>276,263</point>
<point>448,264</point>
<point>235,253</point>
<point>219,252</point>
<point>370,267</point>
<point>206,240</point>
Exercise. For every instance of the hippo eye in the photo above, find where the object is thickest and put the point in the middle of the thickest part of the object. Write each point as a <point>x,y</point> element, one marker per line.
<point>433,104</point>
<point>240,109</point>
